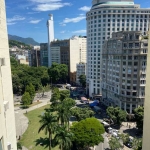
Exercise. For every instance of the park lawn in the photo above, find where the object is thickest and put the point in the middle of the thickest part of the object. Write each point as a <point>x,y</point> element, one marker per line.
<point>31,135</point>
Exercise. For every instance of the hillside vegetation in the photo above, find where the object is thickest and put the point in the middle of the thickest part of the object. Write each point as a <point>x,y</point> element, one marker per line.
<point>13,43</point>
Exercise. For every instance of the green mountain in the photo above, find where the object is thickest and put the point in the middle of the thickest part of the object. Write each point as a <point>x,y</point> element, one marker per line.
<point>28,41</point>
<point>19,45</point>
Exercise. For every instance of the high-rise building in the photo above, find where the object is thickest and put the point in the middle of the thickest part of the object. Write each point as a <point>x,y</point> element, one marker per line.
<point>104,18</point>
<point>81,70</point>
<point>146,126</point>
<point>69,52</point>
<point>124,59</point>
<point>7,118</point>
<point>44,54</point>
<point>34,57</point>
<point>50,27</point>
<point>55,54</point>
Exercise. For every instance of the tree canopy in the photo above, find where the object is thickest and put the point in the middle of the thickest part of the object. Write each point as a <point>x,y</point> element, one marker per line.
<point>116,114</point>
<point>63,138</point>
<point>19,45</point>
<point>114,144</point>
<point>58,72</point>
<point>82,80</point>
<point>139,116</point>
<point>87,132</point>
<point>26,99</point>
<point>64,94</point>
<point>31,90</point>
<point>23,75</point>
<point>137,144</point>
<point>82,113</point>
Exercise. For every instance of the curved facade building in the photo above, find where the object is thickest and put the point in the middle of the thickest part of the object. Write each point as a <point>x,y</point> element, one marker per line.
<point>104,18</point>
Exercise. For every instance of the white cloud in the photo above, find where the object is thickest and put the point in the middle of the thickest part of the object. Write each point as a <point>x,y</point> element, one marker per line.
<point>35,21</point>
<point>11,21</point>
<point>62,32</point>
<point>73,20</point>
<point>79,31</point>
<point>32,12</point>
<point>82,14</point>
<point>85,8</point>
<point>62,24</point>
<point>48,6</point>
<point>45,1</point>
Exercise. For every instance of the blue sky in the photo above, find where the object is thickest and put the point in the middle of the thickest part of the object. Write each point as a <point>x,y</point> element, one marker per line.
<point>27,18</point>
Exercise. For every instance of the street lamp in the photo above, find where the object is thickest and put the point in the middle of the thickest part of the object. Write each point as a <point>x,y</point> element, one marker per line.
<point>51,81</point>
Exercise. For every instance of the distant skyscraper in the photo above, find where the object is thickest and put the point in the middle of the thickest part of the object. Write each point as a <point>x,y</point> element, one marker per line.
<point>50,27</point>
<point>7,118</point>
<point>104,18</point>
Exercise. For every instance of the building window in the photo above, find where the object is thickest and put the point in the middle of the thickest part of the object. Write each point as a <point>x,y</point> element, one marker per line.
<point>1,146</point>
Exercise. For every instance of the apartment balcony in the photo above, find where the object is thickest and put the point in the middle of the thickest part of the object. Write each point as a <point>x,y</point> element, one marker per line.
<point>128,96</point>
<point>143,72</point>
<point>142,85</point>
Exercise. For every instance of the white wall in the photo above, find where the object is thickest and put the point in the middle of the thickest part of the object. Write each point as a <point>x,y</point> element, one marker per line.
<point>77,52</point>
<point>74,54</point>
<point>7,119</point>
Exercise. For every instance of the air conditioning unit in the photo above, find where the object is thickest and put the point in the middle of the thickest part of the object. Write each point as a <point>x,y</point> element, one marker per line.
<point>9,146</point>
<point>2,61</point>
<point>6,105</point>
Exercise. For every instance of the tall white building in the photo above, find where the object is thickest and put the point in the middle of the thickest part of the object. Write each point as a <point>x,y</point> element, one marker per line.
<point>50,27</point>
<point>7,119</point>
<point>104,18</point>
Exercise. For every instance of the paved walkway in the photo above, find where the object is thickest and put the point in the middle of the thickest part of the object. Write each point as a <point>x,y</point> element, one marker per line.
<point>22,121</point>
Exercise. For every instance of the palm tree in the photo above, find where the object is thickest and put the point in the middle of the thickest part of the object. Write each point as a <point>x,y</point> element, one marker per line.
<point>62,114</point>
<point>48,123</point>
<point>114,144</point>
<point>64,111</point>
<point>63,137</point>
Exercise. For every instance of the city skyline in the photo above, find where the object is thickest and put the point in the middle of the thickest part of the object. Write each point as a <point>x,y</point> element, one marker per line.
<point>28,18</point>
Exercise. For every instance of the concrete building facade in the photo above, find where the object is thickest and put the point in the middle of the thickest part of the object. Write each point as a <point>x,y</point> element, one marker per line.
<point>7,119</point>
<point>146,133</point>
<point>69,52</point>
<point>55,54</point>
<point>124,61</point>
<point>34,57</point>
<point>104,18</point>
<point>44,54</point>
<point>81,70</point>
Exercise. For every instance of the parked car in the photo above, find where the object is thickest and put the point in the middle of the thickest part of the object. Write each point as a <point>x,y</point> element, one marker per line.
<point>129,143</point>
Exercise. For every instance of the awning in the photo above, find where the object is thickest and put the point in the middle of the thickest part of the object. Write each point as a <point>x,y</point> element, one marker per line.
<point>84,99</point>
